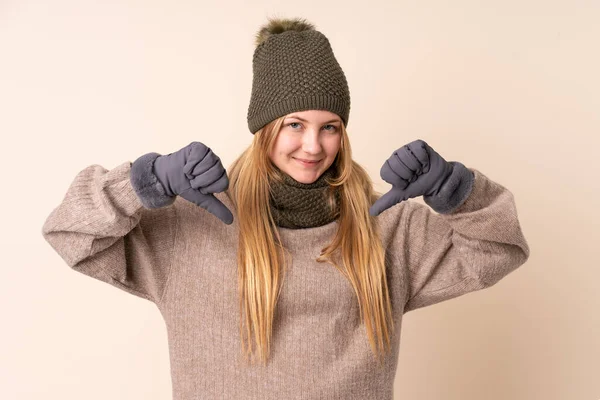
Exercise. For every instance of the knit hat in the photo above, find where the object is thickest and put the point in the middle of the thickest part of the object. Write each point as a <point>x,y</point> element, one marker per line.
<point>294,69</point>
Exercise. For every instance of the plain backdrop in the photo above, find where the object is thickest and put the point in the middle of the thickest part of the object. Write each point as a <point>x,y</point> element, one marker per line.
<point>508,87</point>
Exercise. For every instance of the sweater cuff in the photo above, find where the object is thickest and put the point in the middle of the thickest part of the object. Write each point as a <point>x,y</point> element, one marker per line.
<point>146,185</point>
<point>454,191</point>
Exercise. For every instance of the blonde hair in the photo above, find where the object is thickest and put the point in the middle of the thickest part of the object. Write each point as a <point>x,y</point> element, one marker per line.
<point>261,263</point>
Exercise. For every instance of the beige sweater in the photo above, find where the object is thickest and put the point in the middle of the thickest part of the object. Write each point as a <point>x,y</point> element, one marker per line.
<point>183,259</point>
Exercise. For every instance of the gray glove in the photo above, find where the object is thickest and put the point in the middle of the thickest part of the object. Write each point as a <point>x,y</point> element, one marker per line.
<point>416,169</point>
<point>195,173</point>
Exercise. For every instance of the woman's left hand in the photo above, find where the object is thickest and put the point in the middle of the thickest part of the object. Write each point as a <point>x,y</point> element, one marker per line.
<point>413,170</point>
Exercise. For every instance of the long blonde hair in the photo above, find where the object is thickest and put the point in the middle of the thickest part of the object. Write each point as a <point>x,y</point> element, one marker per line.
<point>260,260</point>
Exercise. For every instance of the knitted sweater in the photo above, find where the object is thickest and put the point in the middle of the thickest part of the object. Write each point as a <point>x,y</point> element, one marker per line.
<point>183,259</point>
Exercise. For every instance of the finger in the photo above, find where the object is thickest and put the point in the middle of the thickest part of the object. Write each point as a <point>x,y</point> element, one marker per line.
<point>197,152</point>
<point>386,201</point>
<point>220,185</point>
<point>391,177</point>
<point>209,177</point>
<point>210,203</point>
<point>193,169</point>
<point>209,161</point>
<point>410,160</point>
<point>419,150</point>
<point>401,163</point>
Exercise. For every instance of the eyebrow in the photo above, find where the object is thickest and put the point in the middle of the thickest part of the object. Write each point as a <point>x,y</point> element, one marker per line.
<point>302,119</point>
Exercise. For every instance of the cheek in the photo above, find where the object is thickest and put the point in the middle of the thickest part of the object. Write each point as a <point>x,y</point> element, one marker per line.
<point>284,146</point>
<point>333,146</point>
<point>277,153</point>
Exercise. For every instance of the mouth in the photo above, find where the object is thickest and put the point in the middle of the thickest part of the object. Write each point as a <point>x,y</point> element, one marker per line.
<point>307,163</point>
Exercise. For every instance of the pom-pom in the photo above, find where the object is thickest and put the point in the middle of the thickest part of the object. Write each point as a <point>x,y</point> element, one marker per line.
<point>279,25</point>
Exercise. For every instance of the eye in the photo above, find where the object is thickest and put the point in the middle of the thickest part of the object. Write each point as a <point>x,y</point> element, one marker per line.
<point>332,128</point>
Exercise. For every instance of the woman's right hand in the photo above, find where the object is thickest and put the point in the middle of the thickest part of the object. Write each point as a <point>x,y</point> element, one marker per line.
<point>195,173</point>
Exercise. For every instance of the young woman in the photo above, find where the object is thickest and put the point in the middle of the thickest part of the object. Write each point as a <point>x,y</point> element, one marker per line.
<point>289,258</point>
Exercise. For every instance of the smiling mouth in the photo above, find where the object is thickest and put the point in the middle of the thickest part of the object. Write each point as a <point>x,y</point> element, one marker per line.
<point>307,163</point>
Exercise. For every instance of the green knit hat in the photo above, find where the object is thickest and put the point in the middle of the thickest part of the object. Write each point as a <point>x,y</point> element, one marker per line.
<point>294,69</point>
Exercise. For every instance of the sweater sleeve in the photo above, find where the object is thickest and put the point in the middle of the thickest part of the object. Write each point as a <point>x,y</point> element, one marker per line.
<point>470,248</point>
<point>103,229</point>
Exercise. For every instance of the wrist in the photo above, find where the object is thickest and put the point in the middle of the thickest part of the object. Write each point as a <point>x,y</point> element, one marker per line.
<point>455,190</point>
<point>146,183</point>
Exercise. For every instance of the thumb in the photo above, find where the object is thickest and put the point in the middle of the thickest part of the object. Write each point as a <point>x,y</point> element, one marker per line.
<point>393,197</point>
<point>210,203</point>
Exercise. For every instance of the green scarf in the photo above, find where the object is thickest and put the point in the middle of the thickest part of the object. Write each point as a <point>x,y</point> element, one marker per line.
<point>302,205</point>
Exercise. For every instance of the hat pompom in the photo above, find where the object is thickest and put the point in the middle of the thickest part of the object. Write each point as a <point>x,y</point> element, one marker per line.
<point>279,25</point>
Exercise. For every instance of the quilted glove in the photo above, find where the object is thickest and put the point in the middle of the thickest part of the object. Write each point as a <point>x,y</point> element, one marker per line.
<point>416,170</point>
<point>194,173</point>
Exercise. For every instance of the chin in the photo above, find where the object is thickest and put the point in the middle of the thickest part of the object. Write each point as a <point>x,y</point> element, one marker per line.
<point>306,177</point>
<point>306,181</point>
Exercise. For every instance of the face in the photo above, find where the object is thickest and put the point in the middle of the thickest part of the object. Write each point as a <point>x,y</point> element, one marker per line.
<point>313,135</point>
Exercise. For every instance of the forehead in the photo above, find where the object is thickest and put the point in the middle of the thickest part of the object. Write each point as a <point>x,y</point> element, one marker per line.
<point>314,115</point>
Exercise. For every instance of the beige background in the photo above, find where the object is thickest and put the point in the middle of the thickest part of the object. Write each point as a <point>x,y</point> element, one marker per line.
<point>508,87</point>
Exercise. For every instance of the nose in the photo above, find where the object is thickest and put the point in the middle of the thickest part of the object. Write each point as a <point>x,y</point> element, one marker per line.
<point>311,142</point>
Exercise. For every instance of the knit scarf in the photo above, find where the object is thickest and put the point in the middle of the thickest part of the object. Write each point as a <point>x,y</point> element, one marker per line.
<point>302,205</point>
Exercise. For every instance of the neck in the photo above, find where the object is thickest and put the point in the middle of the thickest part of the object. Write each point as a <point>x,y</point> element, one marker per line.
<point>299,205</point>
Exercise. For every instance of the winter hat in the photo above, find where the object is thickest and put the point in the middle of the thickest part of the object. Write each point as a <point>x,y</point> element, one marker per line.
<point>294,69</point>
